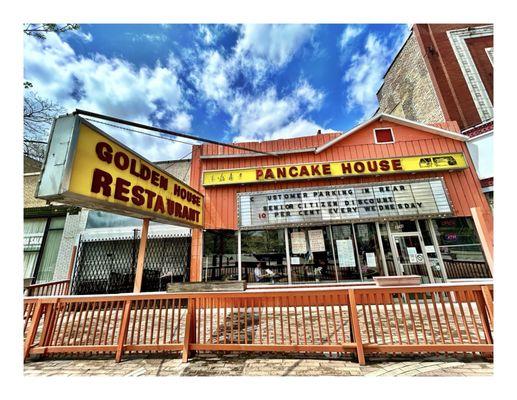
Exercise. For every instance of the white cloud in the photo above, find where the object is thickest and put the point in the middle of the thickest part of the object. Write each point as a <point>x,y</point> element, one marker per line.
<point>276,44</point>
<point>109,86</point>
<point>148,37</point>
<point>350,32</point>
<point>366,71</point>
<point>86,37</point>
<point>206,34</point>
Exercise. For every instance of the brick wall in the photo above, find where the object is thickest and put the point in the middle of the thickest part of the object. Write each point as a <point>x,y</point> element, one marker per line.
<point>408,91</point>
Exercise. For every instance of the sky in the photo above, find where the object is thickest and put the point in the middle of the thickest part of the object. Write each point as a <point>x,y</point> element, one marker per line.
<point>232,83</point>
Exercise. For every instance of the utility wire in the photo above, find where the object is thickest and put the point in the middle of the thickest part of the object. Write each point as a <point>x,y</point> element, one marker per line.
<point>166,131</point>
<point>137,131</point>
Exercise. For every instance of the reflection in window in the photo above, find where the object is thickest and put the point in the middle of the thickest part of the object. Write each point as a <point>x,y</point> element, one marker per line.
<point>348,268</point>
<point>263,256</point>
<point>460,247</point>
<point>370,260</point>
<point>220,256</point>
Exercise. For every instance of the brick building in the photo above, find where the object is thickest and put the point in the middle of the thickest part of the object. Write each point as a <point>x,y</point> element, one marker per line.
<point>444,72</point>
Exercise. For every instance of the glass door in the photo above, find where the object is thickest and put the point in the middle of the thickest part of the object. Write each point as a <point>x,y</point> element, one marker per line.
<point>409,249</point>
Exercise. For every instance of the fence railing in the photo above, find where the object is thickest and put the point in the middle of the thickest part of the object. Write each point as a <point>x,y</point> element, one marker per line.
<point>54,288</point>
<point>370,320</point>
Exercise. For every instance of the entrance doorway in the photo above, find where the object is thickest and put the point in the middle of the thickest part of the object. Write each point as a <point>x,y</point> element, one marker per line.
<point>410,255</point>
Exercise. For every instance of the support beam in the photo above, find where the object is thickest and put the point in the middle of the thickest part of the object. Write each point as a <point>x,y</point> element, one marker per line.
<point>141,256</point>
<point>485,232</point>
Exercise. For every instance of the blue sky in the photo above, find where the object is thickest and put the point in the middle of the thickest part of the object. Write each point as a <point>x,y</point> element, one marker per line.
<point>225,82</point>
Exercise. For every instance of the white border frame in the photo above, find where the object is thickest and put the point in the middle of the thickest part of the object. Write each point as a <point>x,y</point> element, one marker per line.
<point>468,67</point>
<point>383,129</point>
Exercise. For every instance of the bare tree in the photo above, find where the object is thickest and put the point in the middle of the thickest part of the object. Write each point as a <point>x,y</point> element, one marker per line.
<point>39,30</point>
<point>38,115</point>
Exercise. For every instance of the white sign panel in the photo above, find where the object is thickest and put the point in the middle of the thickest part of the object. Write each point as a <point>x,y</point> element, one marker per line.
<point>390,200</point>
<point>298,243</point>
<point>412,255</point>
<point>345,253</point>
<point>316,240</point>
<point>371,261</point>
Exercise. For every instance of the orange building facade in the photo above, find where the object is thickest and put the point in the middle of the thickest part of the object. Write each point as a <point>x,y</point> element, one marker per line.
<point>389,197</point>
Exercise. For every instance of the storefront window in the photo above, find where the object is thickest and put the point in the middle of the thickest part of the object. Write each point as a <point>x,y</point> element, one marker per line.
<point>264,256</point>
<point>460,248</point>
<point>431,252</point>
<point>311,255</point>
<point>388,254</point>
<point>33,230</point>
<point>370,260</point>
<point>344,243</point>
<point>220,256</point>
<point>50,252</point>
<point>403,226</point>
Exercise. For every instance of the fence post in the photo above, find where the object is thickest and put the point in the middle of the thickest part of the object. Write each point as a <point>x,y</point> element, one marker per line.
<point>190,329</point>
<point>487,296</point>
<point>355,327</point>
<point>482,309</point>
<point>33,329</point>
<point>49,322</point>
<point>124,323</point>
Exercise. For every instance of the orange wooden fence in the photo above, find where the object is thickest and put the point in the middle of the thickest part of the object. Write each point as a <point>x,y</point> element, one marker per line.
<point>54,288</point>
<point>371,320</point>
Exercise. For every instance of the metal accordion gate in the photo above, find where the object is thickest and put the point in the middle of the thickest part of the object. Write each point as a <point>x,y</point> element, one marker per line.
<point>107,265</point>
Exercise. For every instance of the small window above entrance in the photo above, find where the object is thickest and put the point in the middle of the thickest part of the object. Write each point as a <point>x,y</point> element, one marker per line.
<point>383,135</point>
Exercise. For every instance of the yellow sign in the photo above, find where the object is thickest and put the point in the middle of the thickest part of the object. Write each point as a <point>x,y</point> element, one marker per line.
<point>335,169</point>
<point>104,174</point>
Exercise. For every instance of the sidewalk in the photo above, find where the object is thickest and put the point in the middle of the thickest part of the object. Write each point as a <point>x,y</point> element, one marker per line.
<point>258,365</point>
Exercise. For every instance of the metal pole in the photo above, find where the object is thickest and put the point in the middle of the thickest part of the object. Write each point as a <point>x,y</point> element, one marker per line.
<point>141,255</point>
<point>437,250</point>
<point>357,253</point>
<point>381,248</point>
<point>333,252</point>
<point>239,254</point>
<point>287,256</point>
<point>394,250</point>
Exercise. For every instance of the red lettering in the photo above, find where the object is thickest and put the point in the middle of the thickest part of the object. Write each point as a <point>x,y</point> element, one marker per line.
<point>396,164</point>
<point>101,181</point>
<point>137,199</point>
<point>304,171</point>
<point>177,189</point>
<point>163,182</point>
<point>145,172</point>
<point>150,196</point>
<point>177,209</point>
<point>159,206</point>
<point>315,169</point>
<point>183,193</point>
<point>293,172</point>
<point>384,165</point>
<point>326,169</point>
<point>258,174</point>
<point>372,166</point>
<point>359,167</point>
<point>104,152</point>
<point>346,168</point>
<point>155,178</point>
<point>281,172</point>
<point>121,189</point>
<point>269,174</point>
<point>170,207</point>
<point>121,160</point>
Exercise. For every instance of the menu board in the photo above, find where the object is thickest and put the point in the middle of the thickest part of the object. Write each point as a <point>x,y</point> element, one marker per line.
<point>298,243</point>
<point>316,240</point>
<point>345,253</point>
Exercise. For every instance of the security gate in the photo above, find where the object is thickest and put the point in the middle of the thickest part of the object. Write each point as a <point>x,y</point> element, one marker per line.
<point>108,265</point>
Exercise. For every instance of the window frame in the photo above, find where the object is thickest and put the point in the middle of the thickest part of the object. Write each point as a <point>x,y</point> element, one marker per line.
<point>382,129</point>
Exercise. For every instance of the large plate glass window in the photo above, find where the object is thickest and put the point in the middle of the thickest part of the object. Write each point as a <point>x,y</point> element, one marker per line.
<point>264,257</point>
<point>370,259</point>
<point>346,255</point>
<point>311,255</point>
<point>220,256</point>
<point>461,249</point>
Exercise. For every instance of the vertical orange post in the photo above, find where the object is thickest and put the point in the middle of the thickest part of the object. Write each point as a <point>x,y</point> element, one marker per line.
<point>355,327</point>
<point>190,331</point>
<point>33,328</point>
<point>141,256</point>
<point>70,270</point>
<point>196,255</point>
<point>123,330</point>
<point>486,235</point>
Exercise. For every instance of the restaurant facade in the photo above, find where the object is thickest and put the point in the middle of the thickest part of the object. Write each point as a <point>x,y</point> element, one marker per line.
<point>389,197</point>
